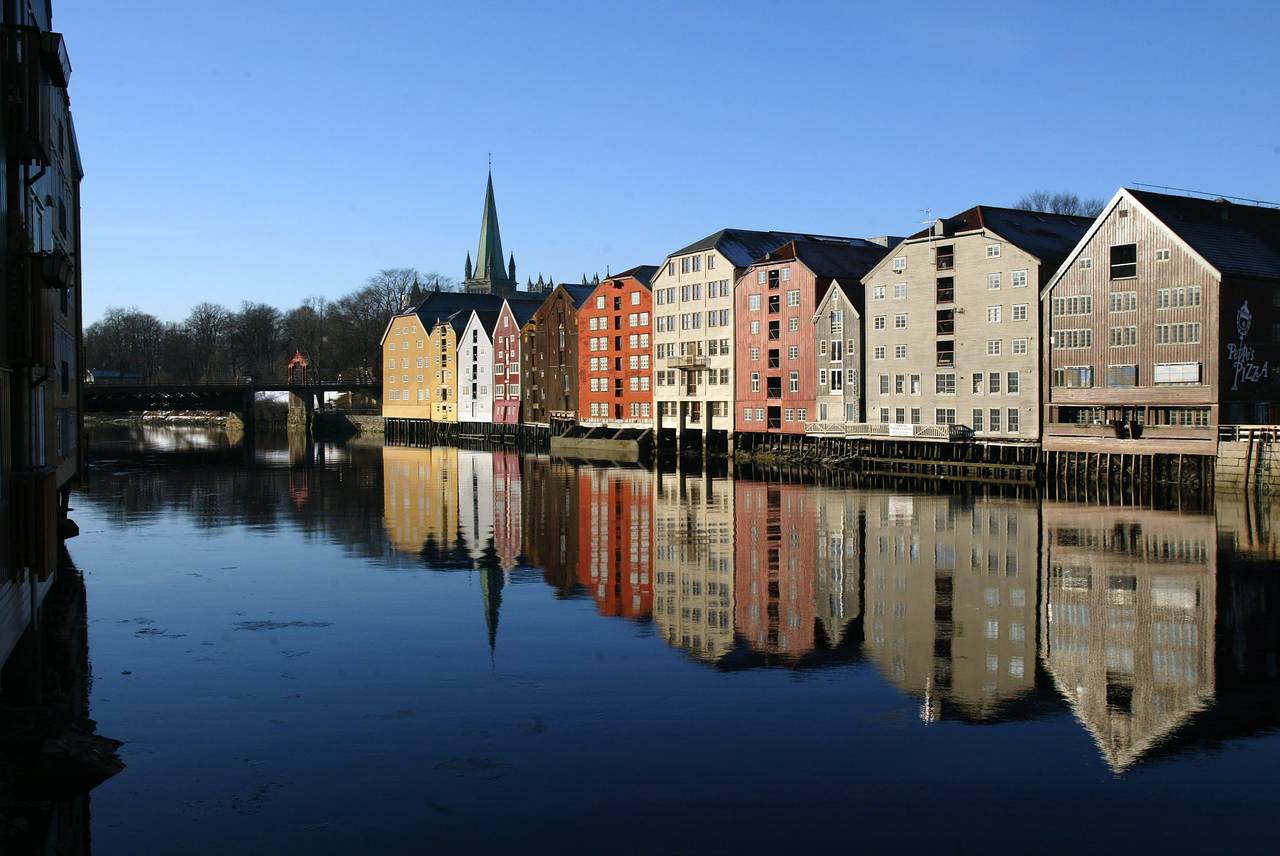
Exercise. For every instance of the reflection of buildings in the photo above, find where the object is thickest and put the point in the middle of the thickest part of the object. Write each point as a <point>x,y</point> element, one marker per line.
<point>476,500</point>
<point>507,508</point>
<point>420,489</point>
<point>951,600</point>
<point>615,521</point>
<point>1130,611</point>
<point>693,563</point>
<point>838,601</point>
<point>774,547</point>
<point>550,515</point>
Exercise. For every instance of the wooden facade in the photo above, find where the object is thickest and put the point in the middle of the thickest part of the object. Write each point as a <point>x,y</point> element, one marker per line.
<point>549,349</point>
<point>406,394</point>
<point>475,368</point>
<point>1149,347</point>
<point>615,533</point>
<point>952,335</point>
<point>615,349</point>
<point>776,351</point>
<point>506,364</point>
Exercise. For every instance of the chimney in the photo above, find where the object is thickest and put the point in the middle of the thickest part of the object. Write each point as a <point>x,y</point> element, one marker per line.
<point>1224,209</point>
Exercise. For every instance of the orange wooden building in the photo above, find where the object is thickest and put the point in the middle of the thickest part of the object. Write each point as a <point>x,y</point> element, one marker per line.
<point>615,539</point>
<point>614,351</point>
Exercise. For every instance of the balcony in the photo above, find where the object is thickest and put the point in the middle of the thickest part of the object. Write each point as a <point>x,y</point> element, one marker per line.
<point>687,361</point>
<point>946,326</point>
<point>946,259</point>
<point>946,359</point>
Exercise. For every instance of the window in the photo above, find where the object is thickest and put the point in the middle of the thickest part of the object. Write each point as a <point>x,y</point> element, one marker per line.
<point>1079,305</point>
<point>995,420</point>
<point>793,297</point>
<point>899,384</point>
<point>993,347</point>
<point>1086,263</point>
<point>755,354</point>
<point>944,416</point>
<point>1073,377</point>
<point>1162,255</point>
<point>755,381</point>
<point>793,324</point>
<point>753,302</point>
<point>899,415</point>
<point>1177,373</point>
<point>746,414</point>
<point>915,384</point>
<point>993,281</point>
<point>1122,336</point>
<point>884,384</point>
<point>993,383</point>
<point>877,292</point>
<point>900,291</point>
<point>1018,279</point>
<point>993,251</point>
<point>711,261</point>
<point>877,353</point>
<point>755,328</point>
<point>900,321</point>
<point>793,353</point>
<point>802,415</point>
<point>878,322</point>
<point>822,377</point>
<point>977,419</point>
<point>899,352</point>
<point>1169,298</point>
<point>1123,301</point>
<point>993,314</point>
<point>793,382</point>
<point>1124,261</point>
<point>1122,375</point>
<point>1069,339</point>
<point>915,416</point>
<point>1177,334</point>
<point>899,264</point>
<point>884,415</point>
<point>1012,425</point>
<point>1020,311</point>
<point>837,380</point>
<point>822,347</point>
<point>600,302</point>
<point>944,384</point>
<point>1020,346</point>
<point>1013,383</point>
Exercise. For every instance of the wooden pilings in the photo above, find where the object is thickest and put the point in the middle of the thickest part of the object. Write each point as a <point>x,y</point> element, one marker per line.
<point>1130,479</point>
<point>426,432</point>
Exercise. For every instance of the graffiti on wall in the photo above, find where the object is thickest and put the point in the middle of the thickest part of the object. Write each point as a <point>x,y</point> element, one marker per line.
<point>1241,356</point>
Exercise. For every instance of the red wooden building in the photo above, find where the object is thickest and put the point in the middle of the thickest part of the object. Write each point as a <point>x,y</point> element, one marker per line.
<point>507,388</point>
<point>614,351</point>
<point>774,303</point>
<point>615,540</point>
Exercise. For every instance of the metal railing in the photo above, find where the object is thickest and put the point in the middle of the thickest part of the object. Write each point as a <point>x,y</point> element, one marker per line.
<point>1249,433</point>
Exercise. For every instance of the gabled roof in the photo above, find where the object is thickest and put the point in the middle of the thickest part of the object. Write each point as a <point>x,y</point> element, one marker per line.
<point>642,274</point>
<point>852,290</point>
<point>1238,240</point>
<point>486,319</point>
<point>578,293</point>
<point>1048,237</point>
<point>743,246</point>
<point>522,310</point>
<point>848,258</point>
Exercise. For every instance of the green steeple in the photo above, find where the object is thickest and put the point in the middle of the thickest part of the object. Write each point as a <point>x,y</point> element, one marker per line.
<point>490,275</point>
<point>491,582</point>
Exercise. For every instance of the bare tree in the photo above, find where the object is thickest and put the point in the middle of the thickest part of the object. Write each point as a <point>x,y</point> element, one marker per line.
<point>208,325</point>
<point>1060,203</point>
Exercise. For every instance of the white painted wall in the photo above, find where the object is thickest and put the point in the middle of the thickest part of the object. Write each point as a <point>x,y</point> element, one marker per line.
<point>475,373</point>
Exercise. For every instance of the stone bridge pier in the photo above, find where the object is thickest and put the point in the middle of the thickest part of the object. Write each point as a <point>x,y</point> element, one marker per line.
<point>302,410</point>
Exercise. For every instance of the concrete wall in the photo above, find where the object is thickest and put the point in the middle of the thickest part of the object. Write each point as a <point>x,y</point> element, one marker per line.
<point>1244,464</point>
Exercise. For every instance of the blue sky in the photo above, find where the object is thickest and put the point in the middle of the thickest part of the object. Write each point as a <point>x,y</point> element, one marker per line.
<point>276,149</point>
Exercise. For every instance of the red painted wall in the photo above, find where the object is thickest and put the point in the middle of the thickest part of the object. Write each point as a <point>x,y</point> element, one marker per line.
<point>623,298</point>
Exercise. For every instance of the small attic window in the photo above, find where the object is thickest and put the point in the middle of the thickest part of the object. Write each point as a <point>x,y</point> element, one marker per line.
<point>993,251</point>
<point>1162,255</point>
<point>1122,212</point>
<point>1086,263</point>
<point>899,263</point>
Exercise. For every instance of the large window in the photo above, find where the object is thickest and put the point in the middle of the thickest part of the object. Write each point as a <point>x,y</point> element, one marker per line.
<point>944,383</point>
<point>1124,261</point>
<point>1073,377</point>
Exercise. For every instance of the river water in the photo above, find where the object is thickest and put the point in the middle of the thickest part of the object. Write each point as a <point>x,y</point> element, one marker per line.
<point>350,649</point>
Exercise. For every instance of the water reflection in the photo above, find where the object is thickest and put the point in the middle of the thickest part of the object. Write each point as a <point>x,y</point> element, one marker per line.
<point>1155,629</point>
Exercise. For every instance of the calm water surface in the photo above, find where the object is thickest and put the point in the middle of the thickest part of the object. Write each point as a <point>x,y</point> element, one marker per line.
<point>350,649</point>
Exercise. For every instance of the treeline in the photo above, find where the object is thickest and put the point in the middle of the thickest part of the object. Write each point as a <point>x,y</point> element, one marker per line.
<point>215,343</point>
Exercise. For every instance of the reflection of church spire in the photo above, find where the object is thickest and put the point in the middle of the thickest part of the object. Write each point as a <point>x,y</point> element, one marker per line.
<point>491,592</point>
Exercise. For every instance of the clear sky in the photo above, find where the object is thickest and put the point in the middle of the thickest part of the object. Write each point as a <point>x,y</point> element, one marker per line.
<point>275,149</point>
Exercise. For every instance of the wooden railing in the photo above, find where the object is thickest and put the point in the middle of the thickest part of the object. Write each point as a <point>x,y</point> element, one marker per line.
<point>879,429</point>
<point>1249,433</point>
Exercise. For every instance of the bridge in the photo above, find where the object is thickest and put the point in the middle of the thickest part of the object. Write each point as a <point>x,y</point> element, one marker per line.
<point>227,397</point>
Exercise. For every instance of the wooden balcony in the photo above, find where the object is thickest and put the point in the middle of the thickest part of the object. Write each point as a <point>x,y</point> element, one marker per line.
<point>26,115</point>
<point>946,262</point>
<point>687,361</point>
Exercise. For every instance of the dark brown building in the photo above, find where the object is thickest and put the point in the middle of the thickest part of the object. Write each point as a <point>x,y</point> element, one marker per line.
<point>549,356</point>
<point>1161,326</point>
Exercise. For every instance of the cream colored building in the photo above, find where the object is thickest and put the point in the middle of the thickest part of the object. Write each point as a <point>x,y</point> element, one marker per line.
<point>951,326</point>
<point>406,378</point>
<point>693,591</point>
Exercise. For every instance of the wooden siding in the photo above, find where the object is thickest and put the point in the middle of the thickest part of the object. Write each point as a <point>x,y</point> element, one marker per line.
<point>549,359</point>
<point>1249,352</point>
<point>406,344</point>
<point>971,334</point>
<point>798,278</point>
<point>854,357</point>
<point>442,372</point>
<point>1181,269</point>
<point>475,373</point>
<point>613,324</point>
<point>615,533</point>
<point>506,368</point>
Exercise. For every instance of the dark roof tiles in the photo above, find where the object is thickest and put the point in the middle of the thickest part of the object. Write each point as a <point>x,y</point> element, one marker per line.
<point>1239,240</point>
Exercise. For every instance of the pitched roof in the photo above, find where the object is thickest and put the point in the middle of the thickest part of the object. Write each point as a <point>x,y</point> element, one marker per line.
<point>1238,240</point>
<point>578,292</point>
<point>487,318</point>
<point>439,305</point>
<point>850,258</point>
<point>743,246</point>
<point>1048,237</point>
<point>522,310</point>
<point>641,273</point>
<point>489,262</point>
